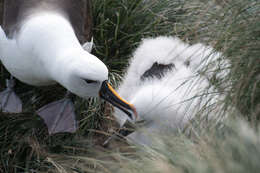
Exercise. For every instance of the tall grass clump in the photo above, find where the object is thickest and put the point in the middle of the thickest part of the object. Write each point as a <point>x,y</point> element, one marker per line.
<point>232,27</point>
<point>222,147</point>
<point>120,26</point>
<point>232,147</point>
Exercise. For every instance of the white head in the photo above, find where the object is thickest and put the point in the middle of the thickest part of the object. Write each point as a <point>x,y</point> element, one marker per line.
<point>83,75</point>
<point>86,76</point>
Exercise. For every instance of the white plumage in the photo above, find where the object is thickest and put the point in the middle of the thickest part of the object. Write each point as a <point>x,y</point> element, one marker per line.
<point>167,101</point>
<point>46,51</point>
<point>43,49</point>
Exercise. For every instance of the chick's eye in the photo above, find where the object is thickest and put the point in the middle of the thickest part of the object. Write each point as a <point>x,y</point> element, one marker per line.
<point>90,81</point>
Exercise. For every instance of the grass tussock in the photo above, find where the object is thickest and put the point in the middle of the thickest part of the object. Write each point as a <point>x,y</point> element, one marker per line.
<point>231,147</point>
<point>228,148</point>
<point>230,26</point>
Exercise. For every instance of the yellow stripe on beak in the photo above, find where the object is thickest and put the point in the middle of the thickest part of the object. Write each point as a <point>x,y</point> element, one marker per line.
<point>109,94</point>
<point>117,95</point>
<point>123,100</point>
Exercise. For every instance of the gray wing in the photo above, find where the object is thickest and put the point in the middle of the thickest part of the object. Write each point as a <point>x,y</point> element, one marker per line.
<point>77,11</point>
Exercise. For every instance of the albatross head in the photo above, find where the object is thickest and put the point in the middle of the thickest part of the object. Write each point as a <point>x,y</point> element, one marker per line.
<point>87,76</point>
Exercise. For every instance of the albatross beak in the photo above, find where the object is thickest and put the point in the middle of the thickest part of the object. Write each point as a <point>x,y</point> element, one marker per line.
<point>109,94</point>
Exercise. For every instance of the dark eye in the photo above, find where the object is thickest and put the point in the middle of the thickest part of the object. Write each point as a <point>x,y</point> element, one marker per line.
<point>90,81</point>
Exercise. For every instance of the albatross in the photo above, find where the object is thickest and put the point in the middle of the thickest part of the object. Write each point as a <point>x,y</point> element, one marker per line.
<point>39,45</point>
<point>165,84</point>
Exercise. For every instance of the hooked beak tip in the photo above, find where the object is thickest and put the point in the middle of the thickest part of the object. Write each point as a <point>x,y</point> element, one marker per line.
<point>134,111</point>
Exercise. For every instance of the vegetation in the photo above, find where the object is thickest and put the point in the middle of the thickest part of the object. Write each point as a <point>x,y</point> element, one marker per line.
<point>230,26</point>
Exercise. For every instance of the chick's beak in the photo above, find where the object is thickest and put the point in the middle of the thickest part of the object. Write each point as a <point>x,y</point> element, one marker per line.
<point>109,94</point>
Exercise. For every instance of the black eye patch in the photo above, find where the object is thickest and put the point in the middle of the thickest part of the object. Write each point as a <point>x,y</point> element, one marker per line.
<point>90,81</point>
<point>157,70</point>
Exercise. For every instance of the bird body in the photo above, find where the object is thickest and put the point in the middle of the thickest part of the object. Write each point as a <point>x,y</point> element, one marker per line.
<point>164,83</point>
<point>78,13</point>
<point>47,45</point>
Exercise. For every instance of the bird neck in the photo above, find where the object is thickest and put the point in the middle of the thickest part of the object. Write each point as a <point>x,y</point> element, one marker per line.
<point>50,32</point>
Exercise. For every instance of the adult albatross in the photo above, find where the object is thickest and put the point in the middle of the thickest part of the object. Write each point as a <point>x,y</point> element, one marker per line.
<point>39,45</point>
